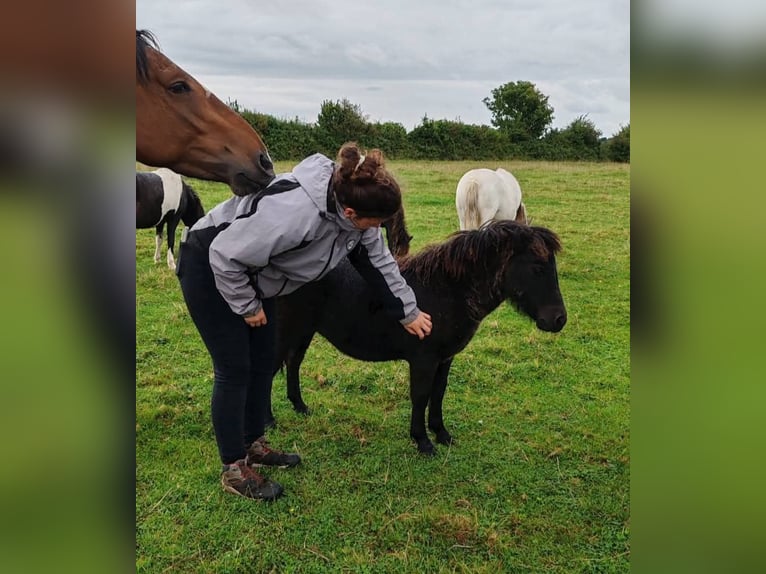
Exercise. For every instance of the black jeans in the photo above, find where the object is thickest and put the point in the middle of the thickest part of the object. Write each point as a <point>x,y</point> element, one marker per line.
<point>243,356</point>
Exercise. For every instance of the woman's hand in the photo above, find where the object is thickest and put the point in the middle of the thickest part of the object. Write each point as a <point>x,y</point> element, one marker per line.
<point>257,320</point>
<point>421,326</point>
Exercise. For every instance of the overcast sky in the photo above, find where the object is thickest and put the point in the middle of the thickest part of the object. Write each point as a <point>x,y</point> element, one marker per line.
<point>401,60</point>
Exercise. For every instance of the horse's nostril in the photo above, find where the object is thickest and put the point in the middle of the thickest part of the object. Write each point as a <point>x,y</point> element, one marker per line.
<point>561,320</point>
<point>265,162</point>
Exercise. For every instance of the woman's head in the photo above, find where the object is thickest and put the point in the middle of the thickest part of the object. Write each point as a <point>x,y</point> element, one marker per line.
<point>363,184</point>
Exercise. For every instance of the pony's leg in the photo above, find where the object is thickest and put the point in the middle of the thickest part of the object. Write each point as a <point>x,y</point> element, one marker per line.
<point>157,242</point>
<point>172,243</point>
<point>435,417</point>
<point>294,359</point>
<point>291,355</point>
<point>269,422</point>
<point>421,380</point>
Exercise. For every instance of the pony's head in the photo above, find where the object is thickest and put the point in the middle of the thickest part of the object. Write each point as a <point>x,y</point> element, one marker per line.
<point>531,280</point>
<point>503,260</point>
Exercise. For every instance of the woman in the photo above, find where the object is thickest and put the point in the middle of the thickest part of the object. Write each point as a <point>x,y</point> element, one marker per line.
<point>248,250</point>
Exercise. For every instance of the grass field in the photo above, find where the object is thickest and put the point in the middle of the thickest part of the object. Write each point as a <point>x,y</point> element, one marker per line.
<point>538,480</point>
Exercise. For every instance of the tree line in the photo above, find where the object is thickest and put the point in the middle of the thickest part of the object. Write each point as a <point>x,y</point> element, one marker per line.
<point>521,129</point>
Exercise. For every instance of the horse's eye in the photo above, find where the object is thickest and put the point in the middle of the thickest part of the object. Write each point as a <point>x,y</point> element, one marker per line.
<point>179,87</point>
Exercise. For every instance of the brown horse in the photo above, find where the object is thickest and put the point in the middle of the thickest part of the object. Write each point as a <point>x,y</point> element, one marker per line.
<point>182,126</point>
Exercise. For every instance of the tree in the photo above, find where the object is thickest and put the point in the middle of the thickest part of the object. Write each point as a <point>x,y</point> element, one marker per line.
<point>617,148</point>
<point>582,139</point>
<point>520,110</point>
<point>339,122</point>
<point>390,137</point>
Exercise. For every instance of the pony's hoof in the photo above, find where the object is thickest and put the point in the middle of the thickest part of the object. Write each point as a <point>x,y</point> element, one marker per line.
<point>443,437</point>
<point>302,409</point>
<point>426,448</point>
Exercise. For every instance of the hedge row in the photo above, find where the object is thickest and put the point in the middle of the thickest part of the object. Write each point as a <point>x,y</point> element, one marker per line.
<point>291,139</point>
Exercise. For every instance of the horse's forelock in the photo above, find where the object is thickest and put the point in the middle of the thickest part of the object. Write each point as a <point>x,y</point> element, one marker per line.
<point>548,238</point>
<point>144,39</point>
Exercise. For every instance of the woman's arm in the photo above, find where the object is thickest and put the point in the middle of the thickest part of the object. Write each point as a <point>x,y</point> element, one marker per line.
<point>375,263</point>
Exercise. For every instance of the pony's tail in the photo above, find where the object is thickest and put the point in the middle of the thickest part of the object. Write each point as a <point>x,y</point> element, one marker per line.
<point>471,215</point>
<point>194,208</point>
<point>521,215</point>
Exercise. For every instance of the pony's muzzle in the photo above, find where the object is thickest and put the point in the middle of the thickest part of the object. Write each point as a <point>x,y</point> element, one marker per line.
<point>552,322</point>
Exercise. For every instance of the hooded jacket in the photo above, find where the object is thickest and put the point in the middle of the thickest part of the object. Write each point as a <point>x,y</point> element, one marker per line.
<point>294,232</point>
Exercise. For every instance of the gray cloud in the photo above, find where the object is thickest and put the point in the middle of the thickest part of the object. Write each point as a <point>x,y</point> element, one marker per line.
<point>434,57</point>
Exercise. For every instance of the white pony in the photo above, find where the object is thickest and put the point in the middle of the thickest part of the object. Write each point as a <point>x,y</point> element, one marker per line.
<point>483,195</point>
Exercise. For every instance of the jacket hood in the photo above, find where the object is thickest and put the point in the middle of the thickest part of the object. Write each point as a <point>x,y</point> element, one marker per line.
<point>314,175</point>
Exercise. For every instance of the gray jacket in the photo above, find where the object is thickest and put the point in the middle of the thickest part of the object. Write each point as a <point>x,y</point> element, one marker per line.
<point>273,243</point>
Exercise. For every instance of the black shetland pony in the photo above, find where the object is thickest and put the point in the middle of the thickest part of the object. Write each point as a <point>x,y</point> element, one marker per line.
<point>458,282</point>
<point>163,198</point>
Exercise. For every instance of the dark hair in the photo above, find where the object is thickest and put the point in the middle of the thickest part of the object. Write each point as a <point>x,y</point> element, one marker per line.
<point>362,183</point>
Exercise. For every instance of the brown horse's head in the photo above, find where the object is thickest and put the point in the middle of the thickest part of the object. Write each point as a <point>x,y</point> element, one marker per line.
<point>182,126</point>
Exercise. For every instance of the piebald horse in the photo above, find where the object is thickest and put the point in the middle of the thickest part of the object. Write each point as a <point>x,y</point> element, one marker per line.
<point>163,199</point>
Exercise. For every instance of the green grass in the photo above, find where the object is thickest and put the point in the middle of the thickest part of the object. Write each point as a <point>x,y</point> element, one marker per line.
<point>538,480</point>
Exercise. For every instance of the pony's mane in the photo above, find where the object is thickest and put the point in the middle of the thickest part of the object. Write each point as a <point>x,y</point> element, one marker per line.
<point>478,255</point>
<point>477,259</point>
<point>144,39</point>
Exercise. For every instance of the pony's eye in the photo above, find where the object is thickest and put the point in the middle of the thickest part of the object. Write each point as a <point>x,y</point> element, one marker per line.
<point>179,87</point>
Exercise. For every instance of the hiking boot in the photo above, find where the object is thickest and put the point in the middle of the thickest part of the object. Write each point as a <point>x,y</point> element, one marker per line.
<point>260,454</point>
<point>238,478</point>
